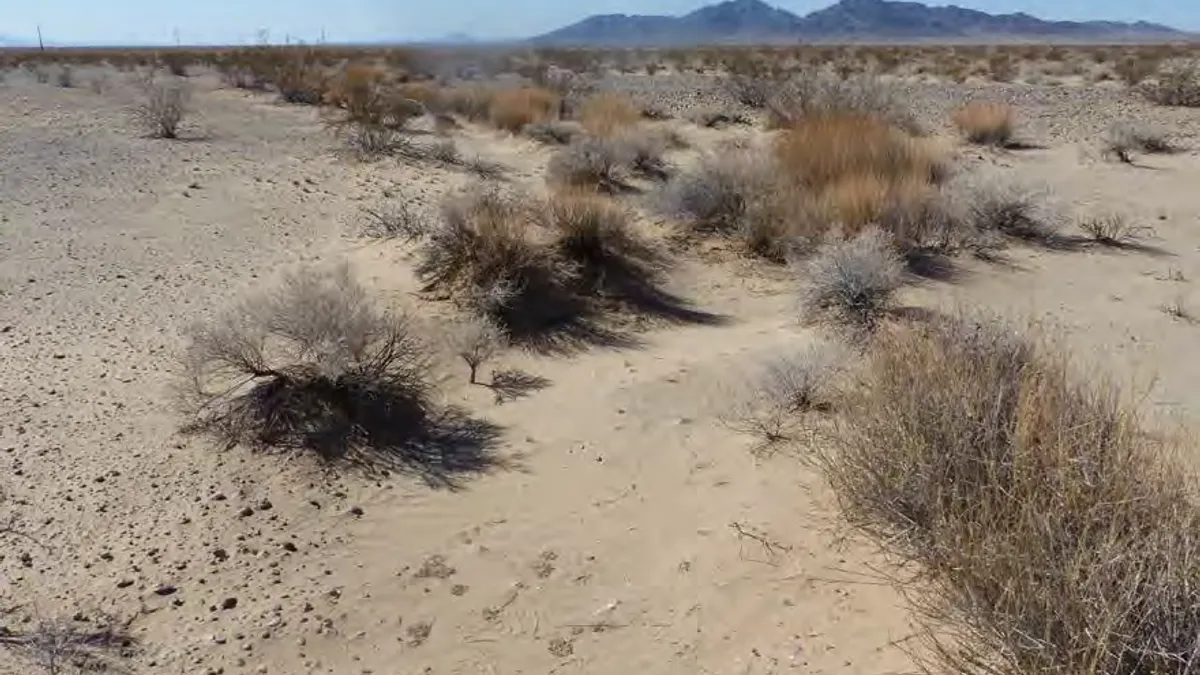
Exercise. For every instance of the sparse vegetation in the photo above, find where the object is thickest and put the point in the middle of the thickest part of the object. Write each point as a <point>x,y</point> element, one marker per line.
<point>1175,84</point>
<point>164,107</point>
<point>774,400</point>
<point>553,133</point>
<point>1124,139</point>
<point>593,162</point>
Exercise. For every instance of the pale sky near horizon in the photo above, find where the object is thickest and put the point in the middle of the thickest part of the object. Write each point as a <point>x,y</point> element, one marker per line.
<point>130,22</point>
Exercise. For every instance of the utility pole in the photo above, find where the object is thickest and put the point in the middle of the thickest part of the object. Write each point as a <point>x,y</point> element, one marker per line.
<point>322,34</point>
<point>41,45</point>
<point>176,34</point>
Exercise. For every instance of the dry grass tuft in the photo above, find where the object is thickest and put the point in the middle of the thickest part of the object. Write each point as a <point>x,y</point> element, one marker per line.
<point>986,123</point>
<point>513,109</point>
<point>822,149</point>
<point>1050,534</point>
<point>607,113</point>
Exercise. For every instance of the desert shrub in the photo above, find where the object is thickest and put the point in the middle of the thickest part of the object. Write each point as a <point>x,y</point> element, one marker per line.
<point>774,399</point>
<point>164,107</point>
<point>485,256</point>
<point>394,220</point>
<point>311,366</point>
<point>1003,68</point>
<point>644,151</point>
<point>1175,84</point>
<point>850,284</point>
<point>1134,69</point>
<point>1049,531</point>
<point>371,113</point>
<point>1125,138</point>
<point>66,76</point>
<point>715,196</point>
<point>176,63</point>
<point>592,162</point>
<point>1004,208</point>
<point>300,78</point>
<point>607,113</point>
<point>512,109</point>
<point>471,101</point>
<point>814,92</point>
<point>553,133</point>
<point>986,123</point>
<point>597,240</point>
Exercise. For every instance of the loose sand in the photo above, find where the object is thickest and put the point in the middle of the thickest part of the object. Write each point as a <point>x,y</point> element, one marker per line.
<point>626,530</point>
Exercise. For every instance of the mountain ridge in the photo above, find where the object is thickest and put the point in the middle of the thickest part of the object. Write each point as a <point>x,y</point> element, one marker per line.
<point>746,21</point>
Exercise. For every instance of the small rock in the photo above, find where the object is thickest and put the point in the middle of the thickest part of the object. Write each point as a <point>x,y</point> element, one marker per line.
<point>165,589</point>
<point>229,603</point>
<point>356,511</point>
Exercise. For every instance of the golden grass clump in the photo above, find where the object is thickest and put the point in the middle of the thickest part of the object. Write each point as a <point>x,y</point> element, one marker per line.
<point>986,123</point>
<point>823,149</point>
<point>1050,533</point>
<point>606,113</point>
<point>512,109</point>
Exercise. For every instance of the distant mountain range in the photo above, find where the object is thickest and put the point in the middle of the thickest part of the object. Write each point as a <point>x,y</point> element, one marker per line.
<point>750,21</point>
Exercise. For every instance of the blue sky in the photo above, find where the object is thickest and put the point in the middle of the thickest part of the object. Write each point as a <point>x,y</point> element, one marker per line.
<point>237,21</point>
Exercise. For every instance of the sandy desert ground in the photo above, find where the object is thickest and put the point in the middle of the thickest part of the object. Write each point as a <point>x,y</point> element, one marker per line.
<point>622,528</point>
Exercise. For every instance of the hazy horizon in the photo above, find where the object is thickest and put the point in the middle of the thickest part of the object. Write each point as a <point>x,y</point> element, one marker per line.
<point>166,22</point>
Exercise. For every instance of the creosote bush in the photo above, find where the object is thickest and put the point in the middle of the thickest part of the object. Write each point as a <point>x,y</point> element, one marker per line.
<point>986,123</point>
<point>311,366</point>
<point>1050,533</point>
<point>164,107</point>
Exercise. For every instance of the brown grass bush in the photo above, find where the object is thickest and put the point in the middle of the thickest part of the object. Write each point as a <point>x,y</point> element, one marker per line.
<point>821,149</point>
<point>164,107</point>
<point>512,109</point>
<point>986,123</point>
<point>1050,533</point>
<point>311,366</point>
<point>608,113</point>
